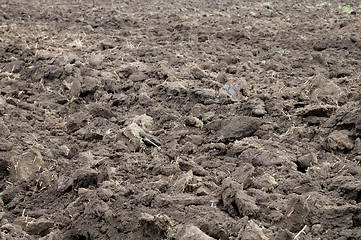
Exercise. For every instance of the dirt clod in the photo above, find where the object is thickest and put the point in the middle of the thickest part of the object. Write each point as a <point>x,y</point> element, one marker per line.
<point>192,232</point>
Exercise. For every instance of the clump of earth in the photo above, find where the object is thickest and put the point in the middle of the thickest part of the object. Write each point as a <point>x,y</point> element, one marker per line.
<point>226,120</point>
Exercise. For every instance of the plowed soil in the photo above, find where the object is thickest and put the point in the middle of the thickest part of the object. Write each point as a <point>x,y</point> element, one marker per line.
<point>180,119</point>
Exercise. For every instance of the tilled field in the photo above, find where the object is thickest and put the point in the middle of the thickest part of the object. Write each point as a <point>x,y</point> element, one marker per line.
<point>180,120</point>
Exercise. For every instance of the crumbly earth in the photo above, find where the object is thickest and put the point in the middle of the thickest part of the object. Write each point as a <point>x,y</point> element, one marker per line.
<point>180,119</point>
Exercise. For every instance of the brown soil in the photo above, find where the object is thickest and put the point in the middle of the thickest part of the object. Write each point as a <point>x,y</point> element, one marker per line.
<point>180,119</point>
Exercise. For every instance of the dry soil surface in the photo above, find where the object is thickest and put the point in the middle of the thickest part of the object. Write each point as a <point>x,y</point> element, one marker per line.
<point>180,119</point>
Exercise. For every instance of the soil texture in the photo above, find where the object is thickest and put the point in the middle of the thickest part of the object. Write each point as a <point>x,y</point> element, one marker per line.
<point>231,120</point>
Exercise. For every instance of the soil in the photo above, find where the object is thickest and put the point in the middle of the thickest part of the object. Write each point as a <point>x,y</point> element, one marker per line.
<point>180,119</point>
